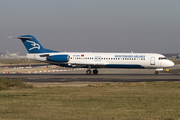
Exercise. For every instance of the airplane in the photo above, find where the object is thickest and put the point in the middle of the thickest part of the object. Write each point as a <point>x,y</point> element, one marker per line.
<point>94,60</point>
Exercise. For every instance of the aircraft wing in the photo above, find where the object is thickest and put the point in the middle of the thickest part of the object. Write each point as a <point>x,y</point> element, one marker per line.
<point>98,65</point>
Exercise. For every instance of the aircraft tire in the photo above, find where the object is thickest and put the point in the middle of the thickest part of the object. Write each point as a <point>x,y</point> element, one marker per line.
<point>95,72</point>
<point>156,72</point>
<point>88,72</point>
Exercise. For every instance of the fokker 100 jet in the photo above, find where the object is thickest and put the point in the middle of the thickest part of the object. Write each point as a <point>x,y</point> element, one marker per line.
<point>94,60</point>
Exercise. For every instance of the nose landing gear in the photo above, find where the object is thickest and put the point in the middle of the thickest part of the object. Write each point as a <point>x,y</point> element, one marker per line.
<point>156,72</point>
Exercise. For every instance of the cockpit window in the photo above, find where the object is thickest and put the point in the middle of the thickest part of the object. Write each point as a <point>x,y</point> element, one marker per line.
<point>162,58</point>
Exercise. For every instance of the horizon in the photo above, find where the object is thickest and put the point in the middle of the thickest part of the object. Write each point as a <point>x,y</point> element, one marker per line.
<point>94,26</point>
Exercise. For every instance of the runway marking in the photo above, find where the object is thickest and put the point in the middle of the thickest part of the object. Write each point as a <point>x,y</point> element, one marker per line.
<point>44,70</point>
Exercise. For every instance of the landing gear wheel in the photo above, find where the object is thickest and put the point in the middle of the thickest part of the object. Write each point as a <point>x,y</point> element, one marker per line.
<point>156,72</point>
<point>88,72</point>
<point>95,72</point>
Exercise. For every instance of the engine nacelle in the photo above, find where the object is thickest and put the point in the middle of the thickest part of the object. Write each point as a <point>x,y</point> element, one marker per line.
<point>58,58</point>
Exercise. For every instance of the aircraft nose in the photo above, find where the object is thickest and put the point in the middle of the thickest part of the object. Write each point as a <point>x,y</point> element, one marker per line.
<point>171,63</point>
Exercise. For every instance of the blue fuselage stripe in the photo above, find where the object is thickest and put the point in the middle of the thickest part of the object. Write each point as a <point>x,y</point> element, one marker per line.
<point>123,66</point>
<point>108,66</point>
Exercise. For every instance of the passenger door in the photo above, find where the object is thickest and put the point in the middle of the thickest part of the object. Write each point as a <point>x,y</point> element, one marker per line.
<point>152,60</point>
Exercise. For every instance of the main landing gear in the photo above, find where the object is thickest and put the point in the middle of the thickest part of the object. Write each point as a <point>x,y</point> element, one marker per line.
<point>88,72</point>
<point>95,72</point>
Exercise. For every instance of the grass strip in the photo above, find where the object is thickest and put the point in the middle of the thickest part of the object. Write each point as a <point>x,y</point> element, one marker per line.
<point>106,101</point>
<point>9,83</point>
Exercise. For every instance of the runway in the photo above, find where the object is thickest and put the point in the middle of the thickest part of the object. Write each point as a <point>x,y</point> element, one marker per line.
<point>79,77</point>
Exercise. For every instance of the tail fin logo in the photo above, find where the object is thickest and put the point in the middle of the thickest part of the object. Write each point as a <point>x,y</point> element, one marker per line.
<point>34,44</point>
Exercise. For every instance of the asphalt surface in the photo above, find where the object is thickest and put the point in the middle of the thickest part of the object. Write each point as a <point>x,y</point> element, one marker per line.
<point>27,65</point>
<point>77,77</point>
<point>104,75</point>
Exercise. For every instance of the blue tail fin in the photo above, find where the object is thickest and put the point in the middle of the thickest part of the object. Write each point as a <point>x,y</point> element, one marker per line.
<point>31,44</point>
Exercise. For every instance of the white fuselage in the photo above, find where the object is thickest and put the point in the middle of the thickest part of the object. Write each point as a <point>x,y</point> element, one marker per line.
<point>110,60</point>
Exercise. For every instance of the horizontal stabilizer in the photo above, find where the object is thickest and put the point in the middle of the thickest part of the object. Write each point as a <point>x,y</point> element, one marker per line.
<point>32,45</point>
<point>15,37</point>
<point>25,38</point>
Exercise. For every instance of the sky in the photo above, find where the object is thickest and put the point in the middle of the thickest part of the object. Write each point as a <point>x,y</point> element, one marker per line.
<point>145,26</point>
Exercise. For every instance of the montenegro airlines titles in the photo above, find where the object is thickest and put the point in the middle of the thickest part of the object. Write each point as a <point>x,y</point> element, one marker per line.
<point>94,60</point>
